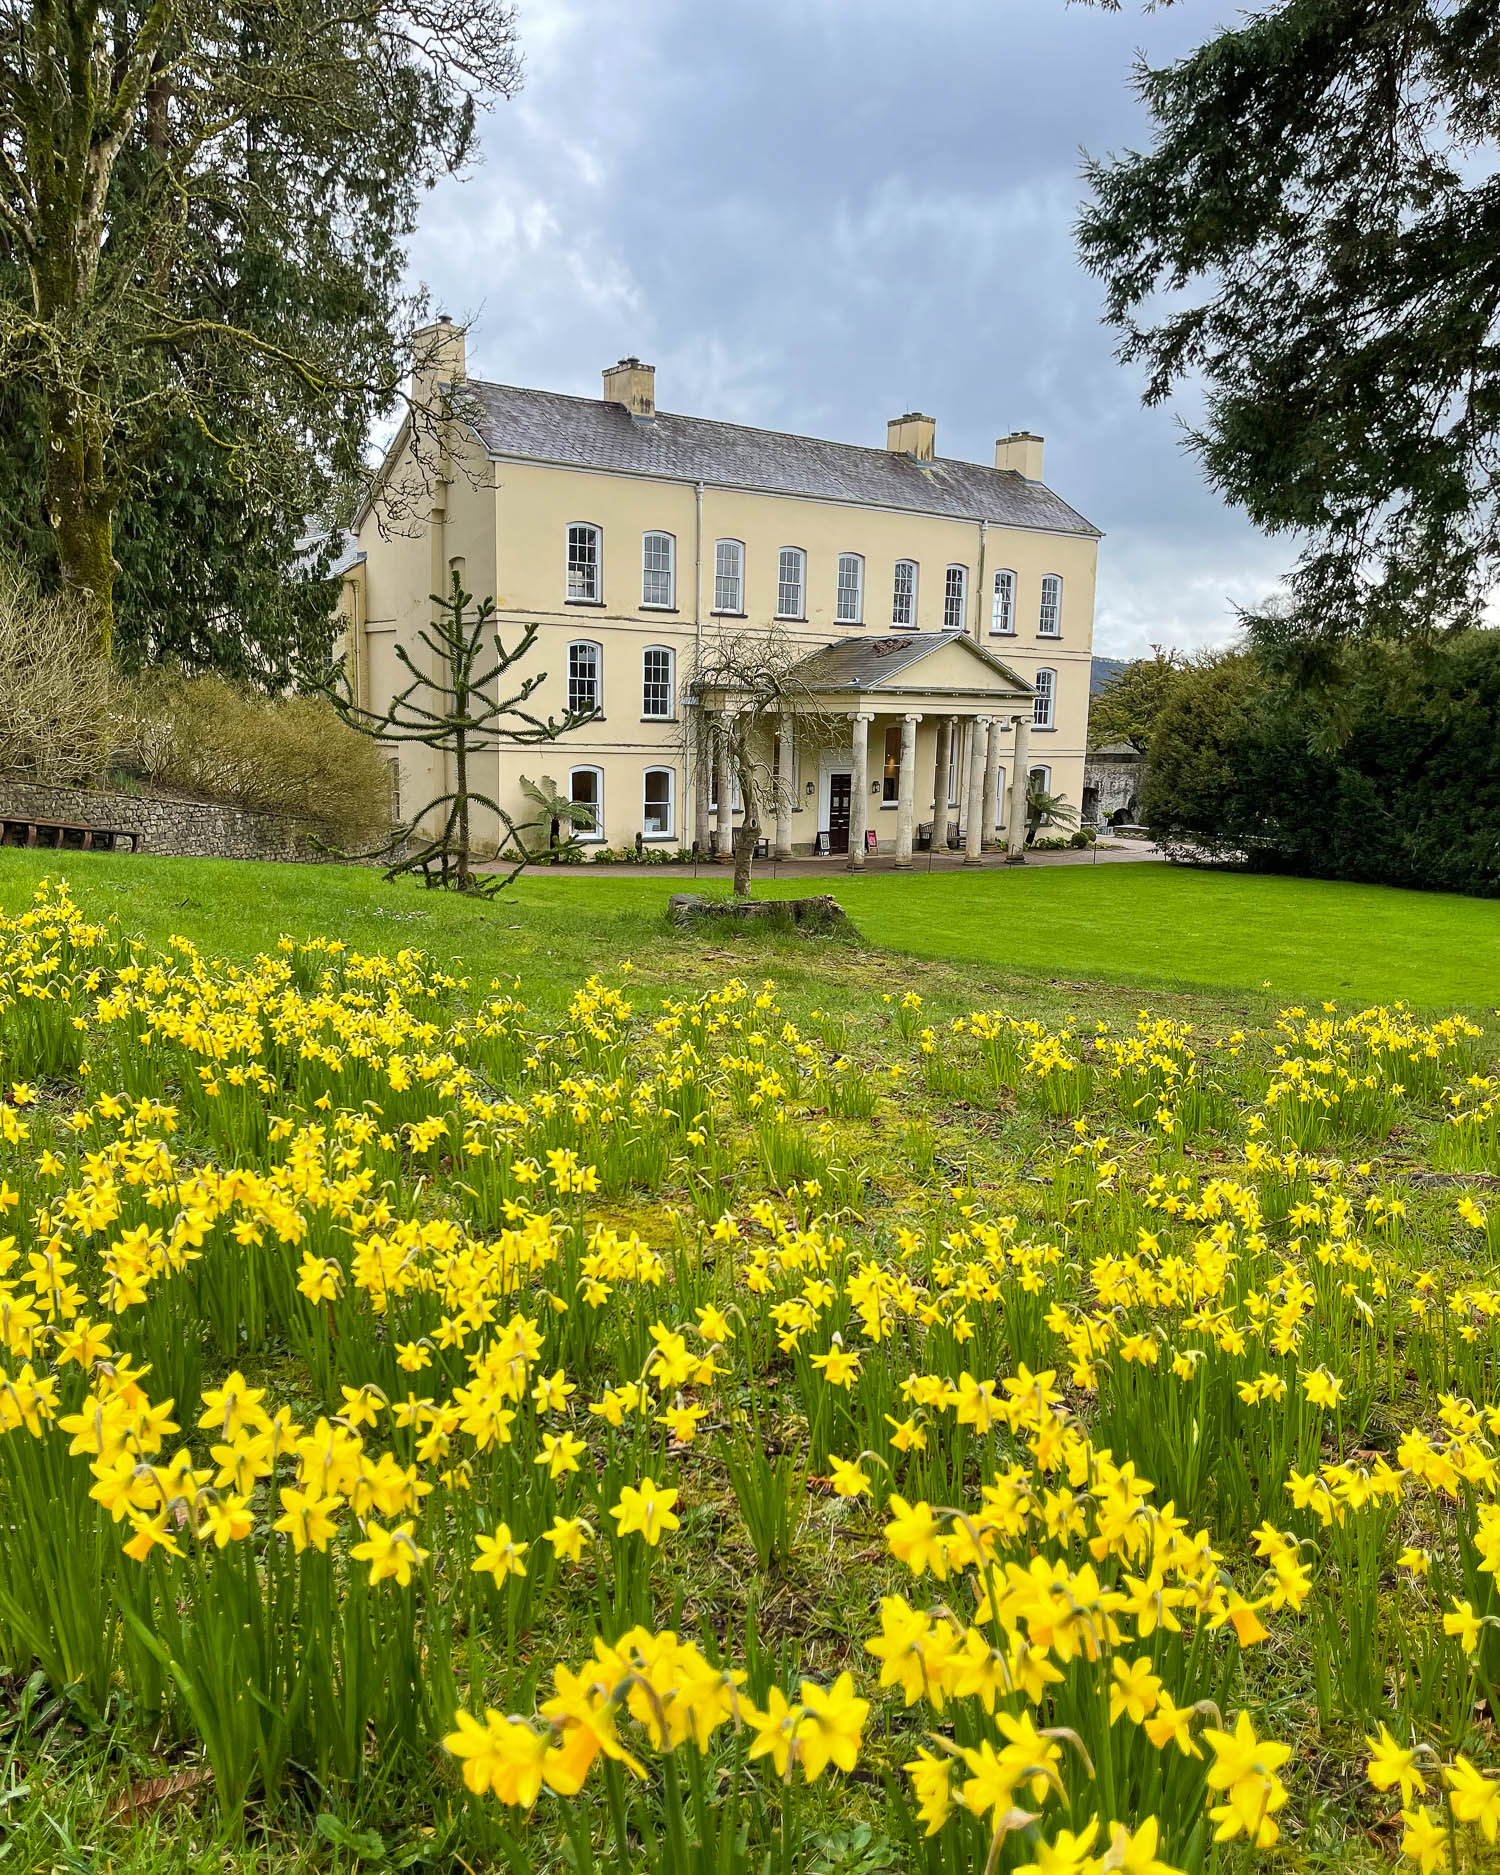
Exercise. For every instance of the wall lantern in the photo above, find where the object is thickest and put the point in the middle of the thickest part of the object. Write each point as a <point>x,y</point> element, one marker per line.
<point>811,789</point>
<point>874,787</point>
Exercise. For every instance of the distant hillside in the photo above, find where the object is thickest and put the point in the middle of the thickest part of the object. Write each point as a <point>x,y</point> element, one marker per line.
<point>1105,669</point>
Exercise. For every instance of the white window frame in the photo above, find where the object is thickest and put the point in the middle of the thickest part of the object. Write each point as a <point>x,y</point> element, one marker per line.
<point>909,596</point>
<point>667,573</point>
<point>850,590</point>
<point>596,832</point>
<point>953,770</point>
<point>1044,703</point>
<point>577,572</point>
<point>722,579</point>
<point>1003,604</point>
<point>669,832</point>
<point>783,584</point>
<point>575,681</point>
<point>736,805</point>
<point>1049,613</point>
<point>1000,797</point>
<point>667,715</point>
<point>1044,769</point>
<point>959,590</point>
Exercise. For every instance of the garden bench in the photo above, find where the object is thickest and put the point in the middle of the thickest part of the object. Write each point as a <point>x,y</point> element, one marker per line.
<point>66,835</point>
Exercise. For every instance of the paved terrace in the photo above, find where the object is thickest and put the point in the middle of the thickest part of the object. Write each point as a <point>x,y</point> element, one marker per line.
<point>833,866</point>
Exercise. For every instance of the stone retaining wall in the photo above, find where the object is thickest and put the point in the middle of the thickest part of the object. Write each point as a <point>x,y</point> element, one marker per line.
<point>181,828</point>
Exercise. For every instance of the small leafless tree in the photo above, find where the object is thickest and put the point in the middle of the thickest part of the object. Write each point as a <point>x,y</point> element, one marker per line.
<point>56,690</point>
<point>750,682</point>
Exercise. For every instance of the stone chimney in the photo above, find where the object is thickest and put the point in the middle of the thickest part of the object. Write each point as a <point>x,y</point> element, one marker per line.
<point>632,384</point>
<point>1021,451</point>
<point>437,357</point>
<point>912,435</point>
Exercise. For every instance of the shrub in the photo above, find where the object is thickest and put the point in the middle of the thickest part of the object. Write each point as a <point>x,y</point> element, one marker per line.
<point>280,755</point>
<point>55,690</point>
<point>1388,771</point>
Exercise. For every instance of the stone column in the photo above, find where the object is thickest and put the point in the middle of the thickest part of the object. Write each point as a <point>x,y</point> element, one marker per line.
<point>724,838</point>
<point>991,814</point>
<point>786,793</point>
<point>947,729</point>
<point>703,756</point>
<point>1015,832</point>
<point>979,731</point>
<point>859,796</point>
<point>906,792</point>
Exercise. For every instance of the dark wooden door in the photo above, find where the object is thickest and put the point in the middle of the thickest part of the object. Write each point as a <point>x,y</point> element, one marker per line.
<point>840,792</point>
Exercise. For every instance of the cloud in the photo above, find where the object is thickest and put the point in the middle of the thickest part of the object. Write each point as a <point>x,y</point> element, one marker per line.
<point>811,214</point>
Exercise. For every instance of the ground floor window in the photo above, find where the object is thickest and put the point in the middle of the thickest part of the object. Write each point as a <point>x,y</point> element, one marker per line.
<point>656,809</point>
<point>1042,778</point>
<point>586,789</point>
<point>954,743</point>
<point>1000,798</point>
<point>713,792</point>
<point>890,778</point>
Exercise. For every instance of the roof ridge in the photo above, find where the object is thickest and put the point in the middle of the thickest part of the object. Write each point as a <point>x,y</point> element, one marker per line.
<point>758,429</point>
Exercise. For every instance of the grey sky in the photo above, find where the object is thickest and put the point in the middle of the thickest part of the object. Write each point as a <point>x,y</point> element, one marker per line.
<point>814,214</point>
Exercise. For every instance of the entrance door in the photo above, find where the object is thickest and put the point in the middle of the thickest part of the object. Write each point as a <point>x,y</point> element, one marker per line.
<point>840,793</point>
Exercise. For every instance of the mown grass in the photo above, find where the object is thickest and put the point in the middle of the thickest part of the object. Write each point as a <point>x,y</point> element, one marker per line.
<point>1145,926</point>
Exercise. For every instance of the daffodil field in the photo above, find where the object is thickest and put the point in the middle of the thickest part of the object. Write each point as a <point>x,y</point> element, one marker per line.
<point>666,1435</point>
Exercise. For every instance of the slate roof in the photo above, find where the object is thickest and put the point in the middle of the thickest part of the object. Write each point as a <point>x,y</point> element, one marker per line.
<point>865,663</point>
<point>584,432</point>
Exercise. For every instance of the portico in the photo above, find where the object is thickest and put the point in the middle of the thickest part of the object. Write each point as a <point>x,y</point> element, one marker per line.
<point>892,744</point>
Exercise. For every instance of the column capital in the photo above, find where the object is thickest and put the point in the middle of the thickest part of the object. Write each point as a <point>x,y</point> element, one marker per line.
<point>912,716</point>
<point>861,716</point>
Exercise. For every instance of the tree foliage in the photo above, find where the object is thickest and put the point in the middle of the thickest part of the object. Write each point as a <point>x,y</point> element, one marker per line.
<point>1314,234</point>
<point>452,705</point>
<point>202,214</point>
<point>1403,790</point>
<point>1126,709</point>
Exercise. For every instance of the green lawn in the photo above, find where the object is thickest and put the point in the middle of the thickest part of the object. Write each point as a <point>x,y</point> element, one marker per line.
<point>1137,927</point>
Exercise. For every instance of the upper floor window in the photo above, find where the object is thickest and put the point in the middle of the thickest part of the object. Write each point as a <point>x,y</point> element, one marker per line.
<point>656,681</point>
<point>850,609</point>
<point>1046,692</point>
<point>583,675</point>
<point>656,803</point>
<point>955,590</point>
<point>584,562</point>
<point>904,594</point>
<point>658,570</point>
<point>586,790</point>
<point>729,576</point>
<point>791,583</point>
<point>1003,612</point>
<point>1049,621</point>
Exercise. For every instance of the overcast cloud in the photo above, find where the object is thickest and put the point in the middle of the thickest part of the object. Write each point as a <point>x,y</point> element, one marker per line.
<point>814,214</point>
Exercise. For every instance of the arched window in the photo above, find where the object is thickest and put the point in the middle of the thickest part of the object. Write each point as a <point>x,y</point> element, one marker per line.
<point>657,803</point>
<point>585,564</point>
<point>850,606</point>
<point>1000,797</point>
<point>729,576</point>
<point>1003,610</point>
<point>1041,777</point>
<point>656,683</point>
<point>585,662</point>
<point>1049,620</point>
<point>586,789</point>
<point>1045,683</point>
<point>658,570</point>
<point>955,592</point>
<point>791,584</point>
<point>904,594</point>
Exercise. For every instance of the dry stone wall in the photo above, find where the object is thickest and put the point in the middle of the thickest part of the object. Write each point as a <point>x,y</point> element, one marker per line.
<point>180,828</point>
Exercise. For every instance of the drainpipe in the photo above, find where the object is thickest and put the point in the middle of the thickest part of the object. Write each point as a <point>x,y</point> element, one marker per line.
<point>984,541</point>
<point>690,771</point>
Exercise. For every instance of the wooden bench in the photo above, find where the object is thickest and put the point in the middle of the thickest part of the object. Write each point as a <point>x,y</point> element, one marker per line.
<point>65,835</point>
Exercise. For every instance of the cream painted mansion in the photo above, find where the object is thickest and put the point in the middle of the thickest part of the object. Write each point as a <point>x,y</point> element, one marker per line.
<point>946,608</point>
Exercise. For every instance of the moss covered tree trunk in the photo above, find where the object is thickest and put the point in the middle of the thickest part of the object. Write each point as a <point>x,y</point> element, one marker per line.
<point>81,510</point>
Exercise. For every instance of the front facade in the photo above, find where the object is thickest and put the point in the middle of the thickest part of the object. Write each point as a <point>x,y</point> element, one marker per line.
<point>630,536</point>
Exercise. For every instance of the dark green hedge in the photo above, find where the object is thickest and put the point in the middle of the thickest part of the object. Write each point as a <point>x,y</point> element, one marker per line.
<point>1389,771</point>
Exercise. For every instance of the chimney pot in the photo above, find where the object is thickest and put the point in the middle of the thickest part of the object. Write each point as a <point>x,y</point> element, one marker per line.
<point>632,384</point>
<point>1022,452</point>
<point>912,435</point>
